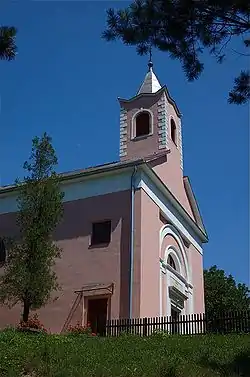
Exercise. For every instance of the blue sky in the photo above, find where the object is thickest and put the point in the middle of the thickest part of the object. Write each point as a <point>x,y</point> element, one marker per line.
<point>66,81</point>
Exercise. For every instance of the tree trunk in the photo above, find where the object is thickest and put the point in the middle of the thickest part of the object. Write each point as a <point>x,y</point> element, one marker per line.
<point>26,310</point>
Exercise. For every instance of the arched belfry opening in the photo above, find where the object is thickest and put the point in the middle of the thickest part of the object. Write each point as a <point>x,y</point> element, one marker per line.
<point>173,131</point>
<point>142,124</point>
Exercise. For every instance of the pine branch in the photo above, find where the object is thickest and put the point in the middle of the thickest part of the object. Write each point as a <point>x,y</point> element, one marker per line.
<point>8,49</point>
<point>181,28</point>
<point>240,93</point>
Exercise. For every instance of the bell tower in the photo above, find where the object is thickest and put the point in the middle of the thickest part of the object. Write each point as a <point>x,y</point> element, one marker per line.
<point>150,128</point>
<point>150,122</point>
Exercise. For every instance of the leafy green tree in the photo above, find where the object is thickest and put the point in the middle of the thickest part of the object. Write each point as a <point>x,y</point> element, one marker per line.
<point>29,275</point>
<point>8,48</point>
<point>222,294</point>
<point>185,29</point>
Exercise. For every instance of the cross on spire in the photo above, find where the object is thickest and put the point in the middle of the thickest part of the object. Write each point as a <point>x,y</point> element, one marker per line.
<point>150,63</point>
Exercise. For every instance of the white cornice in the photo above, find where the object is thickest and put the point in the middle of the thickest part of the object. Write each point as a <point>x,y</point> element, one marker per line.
<point>164,89</point>
<point>165,191</point>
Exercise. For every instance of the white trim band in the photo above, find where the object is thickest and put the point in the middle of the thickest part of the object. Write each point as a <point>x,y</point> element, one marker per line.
<point>169,215</point>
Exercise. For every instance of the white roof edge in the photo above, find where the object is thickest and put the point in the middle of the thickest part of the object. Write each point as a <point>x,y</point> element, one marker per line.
<point>175,202</point>
<point>193,203</point>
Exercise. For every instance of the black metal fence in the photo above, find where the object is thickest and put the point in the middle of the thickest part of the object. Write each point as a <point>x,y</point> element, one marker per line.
<point>196,324</point>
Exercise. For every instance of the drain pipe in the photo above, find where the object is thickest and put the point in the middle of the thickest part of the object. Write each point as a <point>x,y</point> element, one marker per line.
<point>132,242</point>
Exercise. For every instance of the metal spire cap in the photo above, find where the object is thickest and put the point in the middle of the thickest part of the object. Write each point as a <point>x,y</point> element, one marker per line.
<point>150,65</point>
<point>151,83</point>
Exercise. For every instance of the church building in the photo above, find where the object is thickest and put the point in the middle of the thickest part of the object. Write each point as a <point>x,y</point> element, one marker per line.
<point>131,235</point>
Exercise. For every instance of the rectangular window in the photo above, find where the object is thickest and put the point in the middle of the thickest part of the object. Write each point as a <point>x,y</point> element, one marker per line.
<point>101,233</point>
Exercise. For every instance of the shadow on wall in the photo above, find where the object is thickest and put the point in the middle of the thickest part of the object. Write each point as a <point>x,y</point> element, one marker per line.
<point>76,222</point>
<point>80,214</point>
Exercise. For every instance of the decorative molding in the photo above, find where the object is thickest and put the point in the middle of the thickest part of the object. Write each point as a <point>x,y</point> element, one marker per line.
<point>193,203</point>
<point>174,278</point>
<point>133,124</point>
<point>165,267</point>
<point>171,250</point>
<point>160,289</point>
<point>123,132</point>
<point>183,261</point>
<point>165,195</point>
<point>168,211</point>
<point>162,122</point>
<point>182,279</point>
<point>179,138</point>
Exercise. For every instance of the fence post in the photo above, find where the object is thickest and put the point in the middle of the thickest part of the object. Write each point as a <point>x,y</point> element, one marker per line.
<point>145,326</point>
<point>107,332</point>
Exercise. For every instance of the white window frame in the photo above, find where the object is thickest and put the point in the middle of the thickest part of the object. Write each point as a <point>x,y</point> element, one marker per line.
<point>133,124</point>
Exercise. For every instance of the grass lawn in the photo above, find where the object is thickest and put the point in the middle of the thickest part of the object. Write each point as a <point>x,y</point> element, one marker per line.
<point>125,356</point>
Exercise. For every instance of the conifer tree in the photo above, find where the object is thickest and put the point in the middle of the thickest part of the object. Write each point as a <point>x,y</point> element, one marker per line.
<point>184,29</point>
<point>29,277</point>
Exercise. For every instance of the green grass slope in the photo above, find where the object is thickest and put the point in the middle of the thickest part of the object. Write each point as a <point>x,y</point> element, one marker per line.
<point>126,356</point>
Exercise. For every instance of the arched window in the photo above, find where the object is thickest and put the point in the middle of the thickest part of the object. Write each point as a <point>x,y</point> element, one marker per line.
<point>173,130</point>
<point>142,124</point>
<point>2,252</point>
<point>171,262</point>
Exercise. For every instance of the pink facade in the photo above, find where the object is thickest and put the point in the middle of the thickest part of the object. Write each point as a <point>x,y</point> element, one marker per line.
<point>83,264</point>
<point>149,257</point>
<point>151,262</point>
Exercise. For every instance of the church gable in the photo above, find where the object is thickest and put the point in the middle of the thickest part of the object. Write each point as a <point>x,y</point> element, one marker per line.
<point>193,204</point>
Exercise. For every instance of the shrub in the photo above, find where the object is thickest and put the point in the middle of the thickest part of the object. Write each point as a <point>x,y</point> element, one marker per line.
<point>81,329</point>
<point>33,323</point>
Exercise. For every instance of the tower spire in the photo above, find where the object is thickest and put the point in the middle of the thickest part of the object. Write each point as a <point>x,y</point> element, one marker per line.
<point>151,83</point>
